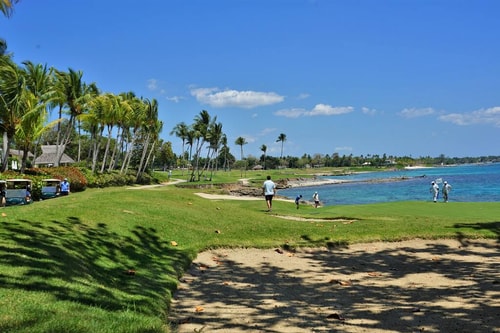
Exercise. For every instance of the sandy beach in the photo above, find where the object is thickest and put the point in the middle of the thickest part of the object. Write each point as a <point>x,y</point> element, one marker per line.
<point>411,286</point>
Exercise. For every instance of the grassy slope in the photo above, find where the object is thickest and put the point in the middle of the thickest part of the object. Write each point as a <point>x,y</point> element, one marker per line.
<point>63,262</point>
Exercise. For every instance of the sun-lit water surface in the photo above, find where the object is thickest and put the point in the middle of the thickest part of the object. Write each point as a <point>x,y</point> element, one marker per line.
<point>470,183</point>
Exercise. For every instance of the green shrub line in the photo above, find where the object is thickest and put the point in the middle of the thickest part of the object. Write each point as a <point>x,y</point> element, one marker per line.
<point>108,259</point>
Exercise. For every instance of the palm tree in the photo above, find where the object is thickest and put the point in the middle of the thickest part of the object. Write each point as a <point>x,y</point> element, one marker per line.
<point>202,123</point>
<point>7,7</point>
<point>75,94</point>
<point>282,139</point>
<point>240,141</point>
<point>13,95</point>
<point>264,150</point>
<point>3,47</point>
<point>181,131</point>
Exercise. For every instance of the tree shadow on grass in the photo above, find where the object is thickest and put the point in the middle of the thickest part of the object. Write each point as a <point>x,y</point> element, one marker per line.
<point>491,227</point>
<point>91,265</point>
<point>433,287</point>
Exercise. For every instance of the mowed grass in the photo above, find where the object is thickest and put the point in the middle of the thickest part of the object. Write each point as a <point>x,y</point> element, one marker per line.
<point>108,260</point>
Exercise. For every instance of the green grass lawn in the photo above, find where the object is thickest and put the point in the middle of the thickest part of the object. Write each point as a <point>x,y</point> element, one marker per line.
<point>108,260</point>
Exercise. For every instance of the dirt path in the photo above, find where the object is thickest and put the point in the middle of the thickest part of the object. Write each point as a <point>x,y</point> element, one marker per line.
<point>411,286</point>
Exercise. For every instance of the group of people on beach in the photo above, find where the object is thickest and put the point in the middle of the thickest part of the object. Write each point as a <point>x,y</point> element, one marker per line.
<point>434,190</point>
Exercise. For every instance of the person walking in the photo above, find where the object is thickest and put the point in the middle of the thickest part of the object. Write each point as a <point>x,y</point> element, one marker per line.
<point>65,187</point>
<point>269,190</point>
<point>434,189</point>
<point>316,199</point>
<point>446,190</point>
<point>297,200</point>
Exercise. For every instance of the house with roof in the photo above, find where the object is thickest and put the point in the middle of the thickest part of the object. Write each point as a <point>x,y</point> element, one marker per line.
<point>49,157</point>
<point>16,157</point>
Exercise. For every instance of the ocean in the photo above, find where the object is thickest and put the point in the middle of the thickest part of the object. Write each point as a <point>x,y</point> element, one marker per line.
<point>470,183</point>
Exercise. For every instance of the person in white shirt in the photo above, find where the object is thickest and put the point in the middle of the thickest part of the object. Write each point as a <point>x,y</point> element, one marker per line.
<point>434,191</point>
<point>269,190</point>
<point>446,190</point>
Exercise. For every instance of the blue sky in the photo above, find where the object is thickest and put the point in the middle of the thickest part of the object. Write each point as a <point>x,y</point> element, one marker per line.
<point>395,77</point>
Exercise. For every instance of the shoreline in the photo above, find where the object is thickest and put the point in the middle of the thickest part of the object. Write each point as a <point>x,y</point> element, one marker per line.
<point>321,182</point>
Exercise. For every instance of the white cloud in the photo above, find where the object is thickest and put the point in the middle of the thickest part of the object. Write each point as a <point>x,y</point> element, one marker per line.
<point>343,148</point>
<point>152,84</point>
<point>267,130</point>
<point>318,110</point>
<point>175,99</point>
<point>414,112</point>
<point>290,113</point>
<point>368,111</point>
<point>482,116</point>
<point>327,110</point>
<point>234,98</point>
<point>303,96</point>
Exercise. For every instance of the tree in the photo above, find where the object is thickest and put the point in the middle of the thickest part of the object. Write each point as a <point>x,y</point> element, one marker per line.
<point>282,139</point>
<point>181,130</point>
<point>240,141</point>
<point>7,7</point>
<point>73,93</point>
<point>201,134</point>
<point>264,150</point>
<point>13,95</point>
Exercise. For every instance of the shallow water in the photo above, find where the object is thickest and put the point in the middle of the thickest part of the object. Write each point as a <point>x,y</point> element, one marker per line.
<point>470,183</point>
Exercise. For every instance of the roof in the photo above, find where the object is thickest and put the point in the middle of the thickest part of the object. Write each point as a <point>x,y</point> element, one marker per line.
<point>49,156</point>
<point>17,152</point>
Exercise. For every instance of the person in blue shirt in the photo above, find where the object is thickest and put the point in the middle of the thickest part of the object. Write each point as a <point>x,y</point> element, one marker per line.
<point>65,187</point>
<point>297,200</point>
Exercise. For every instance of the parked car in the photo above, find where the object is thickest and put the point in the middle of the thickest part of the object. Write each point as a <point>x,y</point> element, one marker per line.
<point>18,192</point>
<point>51,188</point>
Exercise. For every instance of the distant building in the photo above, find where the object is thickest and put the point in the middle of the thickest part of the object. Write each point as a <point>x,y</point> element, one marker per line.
<point>49,157</point>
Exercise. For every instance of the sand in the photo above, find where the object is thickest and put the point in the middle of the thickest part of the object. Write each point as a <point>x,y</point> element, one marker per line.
<point>411,286</point>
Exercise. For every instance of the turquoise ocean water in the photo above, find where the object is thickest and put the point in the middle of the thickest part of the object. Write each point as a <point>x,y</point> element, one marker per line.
<point>470,183</point>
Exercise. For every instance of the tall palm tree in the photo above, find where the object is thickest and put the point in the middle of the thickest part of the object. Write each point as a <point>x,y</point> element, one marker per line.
<point>263,148</point>
<point>32,125</point>
<point>202,123</point>
<point>13,94</point>
<point>152,127</point>
<point>181,131</point>
<point>240,141</point>
<point>215,141</point>
<point>282,139</point>
<point>75,94</point>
